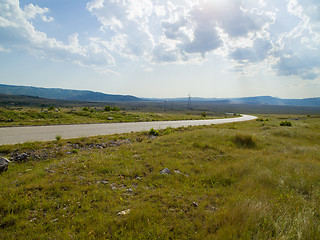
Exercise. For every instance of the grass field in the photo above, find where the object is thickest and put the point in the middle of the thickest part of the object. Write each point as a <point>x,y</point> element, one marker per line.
<point>252,180</point>
<point>36,116</point>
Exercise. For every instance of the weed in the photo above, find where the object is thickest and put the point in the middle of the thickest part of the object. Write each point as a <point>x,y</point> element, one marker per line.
<point>286,124</point>
<point>154,132</point>
<point>168,130</point>
<point>244,140</point>
<point>58,137</point>
<point>74,151</point>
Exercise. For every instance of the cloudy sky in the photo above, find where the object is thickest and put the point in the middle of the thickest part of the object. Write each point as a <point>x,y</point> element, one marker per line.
<point>157,48</point>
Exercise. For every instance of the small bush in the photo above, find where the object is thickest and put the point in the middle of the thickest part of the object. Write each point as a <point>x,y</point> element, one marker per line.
<point>262,120</point>
<point>110,108</point>
<point>74,151</point>
<point>203,114</point>
<point>85,109</point>
<point>246,141</point>
<point>107,108</point>
<point>285,124</point>
<point>168,130</point>
<point>154,132</point>
<point>58,137</point>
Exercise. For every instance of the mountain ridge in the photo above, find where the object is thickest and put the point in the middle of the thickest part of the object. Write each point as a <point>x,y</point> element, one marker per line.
<point>91,96</point>
<point>257,100</point>
<point>65,94</point>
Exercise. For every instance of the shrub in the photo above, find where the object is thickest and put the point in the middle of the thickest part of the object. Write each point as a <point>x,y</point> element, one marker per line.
<point>74,151</point>
<point>85,109</point>
<point>154,132</point>
<point>58,137</point>
<point>286,124</point>
<point>107,108</point>
<point>203,114</point>
<point>168,130</point>
<point>246,141</point>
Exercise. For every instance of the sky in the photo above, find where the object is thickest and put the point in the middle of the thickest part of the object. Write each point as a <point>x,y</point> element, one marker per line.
<point>163,49</point>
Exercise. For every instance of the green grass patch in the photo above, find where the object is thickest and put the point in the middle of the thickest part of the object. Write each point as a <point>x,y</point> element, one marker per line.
<point>243,182</point>
<point>38,116</point>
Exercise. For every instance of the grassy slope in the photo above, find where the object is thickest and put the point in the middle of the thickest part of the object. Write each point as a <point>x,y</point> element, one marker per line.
<point>35,116</point>
<point>253,180</point>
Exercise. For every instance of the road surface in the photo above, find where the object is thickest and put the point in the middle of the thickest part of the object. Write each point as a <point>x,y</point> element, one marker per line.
<point>13,135</point>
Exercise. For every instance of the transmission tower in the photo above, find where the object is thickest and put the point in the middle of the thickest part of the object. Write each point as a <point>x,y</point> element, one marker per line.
<point>189,101</point>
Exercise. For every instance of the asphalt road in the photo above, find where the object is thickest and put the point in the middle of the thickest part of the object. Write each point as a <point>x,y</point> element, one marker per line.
<point>13,135</point>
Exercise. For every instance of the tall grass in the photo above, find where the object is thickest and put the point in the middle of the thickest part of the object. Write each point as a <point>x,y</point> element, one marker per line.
<point>244,140</point>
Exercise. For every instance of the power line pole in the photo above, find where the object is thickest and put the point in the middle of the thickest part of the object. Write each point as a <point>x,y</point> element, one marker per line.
<point>189,101</point>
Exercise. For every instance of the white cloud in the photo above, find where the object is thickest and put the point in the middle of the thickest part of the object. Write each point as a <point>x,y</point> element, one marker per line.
<point>95,4</point>
<point>176,31</point>
<point>3,49</point>
<point>160,10</point>
<point>299,49</point>
<point>281,35</point>
<point>31,11</point>
<point>255,53</point>
<point>17,31</point>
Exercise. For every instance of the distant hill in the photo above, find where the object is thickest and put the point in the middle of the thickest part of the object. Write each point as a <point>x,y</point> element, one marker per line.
<point>267,100</point>
<point>261,100</point>
<point>90,96</point>
<point>65,94</point>
<point>29,101</point>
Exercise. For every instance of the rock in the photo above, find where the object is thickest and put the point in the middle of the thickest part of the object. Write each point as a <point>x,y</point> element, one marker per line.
<point>124,212</point>
<point>165,171</point>
<point>110,118</point>
<point>152,137</point>
<point>113,186</point>
<point>195,204</point>
<point>4,163</point>
<point>20,157</point>
<point>177,171</point>
<point>210,208</point>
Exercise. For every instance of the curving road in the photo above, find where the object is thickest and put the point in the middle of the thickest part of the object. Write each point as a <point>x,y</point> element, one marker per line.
<point>13,135</point>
